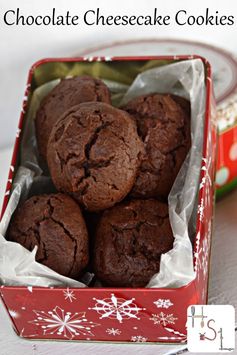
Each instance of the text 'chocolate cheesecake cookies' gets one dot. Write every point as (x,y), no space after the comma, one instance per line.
(68,93)
(94,154)
(129,241)
(55,225)
(163,122)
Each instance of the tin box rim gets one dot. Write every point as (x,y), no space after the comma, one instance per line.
(208,82)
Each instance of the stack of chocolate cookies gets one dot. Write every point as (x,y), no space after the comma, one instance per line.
(116,164)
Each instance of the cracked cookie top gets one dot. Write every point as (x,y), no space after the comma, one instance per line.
(164,125)
(68,93)
(130,239)
(55,225)
(94,154)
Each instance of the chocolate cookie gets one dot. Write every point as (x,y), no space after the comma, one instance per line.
(55,225)
(129,241)
(68,93)
(94,154)
(164,125)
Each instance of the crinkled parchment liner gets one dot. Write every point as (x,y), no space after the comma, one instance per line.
(185,78)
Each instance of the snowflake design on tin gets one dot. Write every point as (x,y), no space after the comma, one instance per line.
(206,180)
(18,132)
(116,308)
(163,303)
(197,252)
(204,266)
(64,323)
(197,266)
(69,295)
(139,339)
(208,237)
(205,250)
(14,314)
(163,318)
(28,335)
(201,210)
(113,331)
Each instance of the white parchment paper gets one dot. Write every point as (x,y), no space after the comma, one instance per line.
(186,78)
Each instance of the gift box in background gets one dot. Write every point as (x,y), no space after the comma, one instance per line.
(117,314)
(224,67)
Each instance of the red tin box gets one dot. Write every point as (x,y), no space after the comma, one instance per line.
(120,314)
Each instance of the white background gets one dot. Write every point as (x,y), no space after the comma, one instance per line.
(21,46)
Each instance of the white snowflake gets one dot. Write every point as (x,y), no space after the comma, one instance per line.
(197,254)
(202,253)
(138,339)
(63,323)
(208,237)
(14,314)
(204,266)
(201,210)
(163,303)
(206,167)
(117,308)
(28,335)
(18,132)
(197,266)
(163,318)
(175,332)
(206,180)
(112,331)
(205,250)
(69,295)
